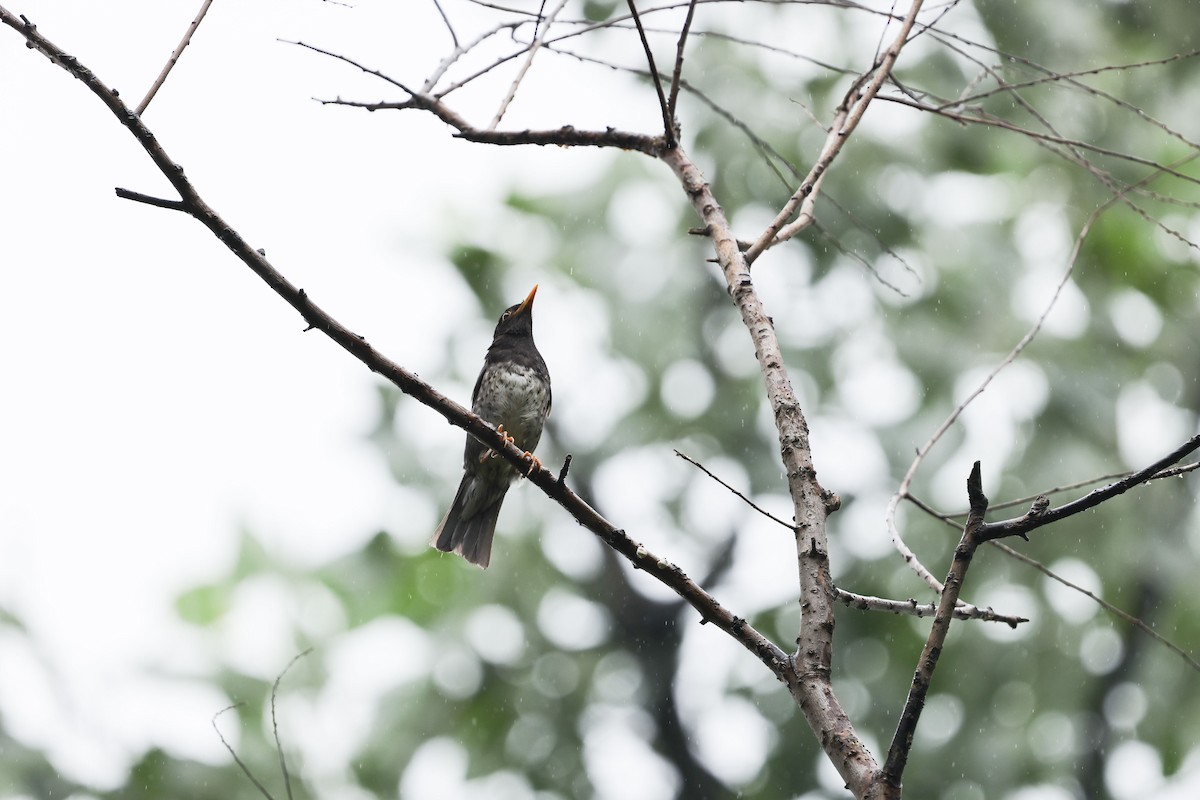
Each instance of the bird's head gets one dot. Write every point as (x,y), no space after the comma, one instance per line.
(517,320)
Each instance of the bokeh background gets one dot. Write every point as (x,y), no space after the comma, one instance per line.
(193,491)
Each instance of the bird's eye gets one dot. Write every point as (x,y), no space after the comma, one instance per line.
(505,316)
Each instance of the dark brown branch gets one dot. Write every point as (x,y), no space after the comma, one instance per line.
(150,200)
(669,574)
(668,122)
(893,768)
(1023,525)
(566,136)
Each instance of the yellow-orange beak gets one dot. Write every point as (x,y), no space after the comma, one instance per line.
(527,303)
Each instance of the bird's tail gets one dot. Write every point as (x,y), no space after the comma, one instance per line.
(470,523)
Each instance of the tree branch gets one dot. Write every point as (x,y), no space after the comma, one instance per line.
(893,768)
(809,679)
(539,36)
(162,77)
(1032,521)
(668,122)
(912,608)
(848,117)
(677,73)
(566,136)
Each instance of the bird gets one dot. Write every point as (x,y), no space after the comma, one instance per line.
(512,393)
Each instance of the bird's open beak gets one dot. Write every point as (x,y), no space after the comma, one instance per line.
(527,303)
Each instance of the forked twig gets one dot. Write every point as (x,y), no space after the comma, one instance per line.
(236,759)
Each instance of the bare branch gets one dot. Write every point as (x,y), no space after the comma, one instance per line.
(808,678)
(897,758)
(162,76)
(566,136)
(241,764)
(912,608)
(536,45)
(848,117)
(668,122)
(743,497)
(677,73)
(1109,607)
(1029,522)
(450,28)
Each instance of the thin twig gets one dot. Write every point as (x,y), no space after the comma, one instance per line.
(241,764)
(897,758)
(851,113)
(162,76)
(678,71)
(905,487)
(743,497)
(912,608)
(151,200)
(453,36)
(287,781)
(1109,607)
(533,50)
(668,123)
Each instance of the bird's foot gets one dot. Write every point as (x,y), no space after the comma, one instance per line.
(500,430)
(489,453)
(534,463)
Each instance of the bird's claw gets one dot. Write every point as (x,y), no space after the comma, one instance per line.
(534,463)
(489,453)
